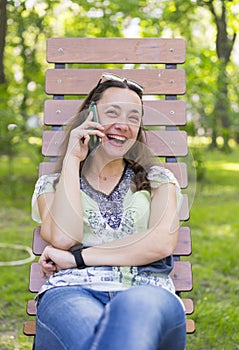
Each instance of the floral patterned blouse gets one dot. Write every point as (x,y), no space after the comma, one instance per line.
(110,217)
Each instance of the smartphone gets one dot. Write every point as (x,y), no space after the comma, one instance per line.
(94,139)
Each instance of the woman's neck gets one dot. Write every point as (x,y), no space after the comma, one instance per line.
(104,170)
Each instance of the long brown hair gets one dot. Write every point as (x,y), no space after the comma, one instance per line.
(138,157)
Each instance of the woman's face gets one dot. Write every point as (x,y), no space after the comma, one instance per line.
(120,112)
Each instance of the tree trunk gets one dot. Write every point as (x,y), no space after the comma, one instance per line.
(222,107)
(224,46)
(3,29)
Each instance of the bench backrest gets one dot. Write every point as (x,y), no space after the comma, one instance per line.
(151,62)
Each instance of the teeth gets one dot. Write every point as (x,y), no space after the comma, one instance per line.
(116,137)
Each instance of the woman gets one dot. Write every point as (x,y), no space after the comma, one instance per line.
(111,219)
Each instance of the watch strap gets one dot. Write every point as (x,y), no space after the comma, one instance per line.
(76,251)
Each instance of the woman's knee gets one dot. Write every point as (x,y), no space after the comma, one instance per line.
(149,300)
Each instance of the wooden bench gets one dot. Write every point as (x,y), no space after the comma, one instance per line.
(153,63)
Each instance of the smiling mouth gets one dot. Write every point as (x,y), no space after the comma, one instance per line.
(118,139)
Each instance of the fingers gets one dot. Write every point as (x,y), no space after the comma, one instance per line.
(89,123)
(79,141)
(53,260)
(83,135)
(46,264)
(47,268)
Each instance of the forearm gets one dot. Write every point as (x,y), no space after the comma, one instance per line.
(138,249)
(63,227)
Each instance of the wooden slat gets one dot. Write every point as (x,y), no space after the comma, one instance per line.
(51,141)
(178,169)
(190,326)
(181,275)
(38,243)
(162,143)
(165,113)
(31,307)
(46,168)
(188,304)
(180,172)
(183,246)
(81,81)
(157,112)
(30,327)
(36,281)
(115,50)
(184,210)
(167,143)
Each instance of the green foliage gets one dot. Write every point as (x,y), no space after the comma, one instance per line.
(30,23)
(199,163)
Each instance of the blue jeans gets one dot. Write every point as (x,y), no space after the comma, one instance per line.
(139,318)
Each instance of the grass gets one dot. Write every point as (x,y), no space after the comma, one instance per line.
(215,233)
(16,227)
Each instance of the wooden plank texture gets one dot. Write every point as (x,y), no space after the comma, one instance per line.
(81,81)
(167,143)
(115,50)
(182,276)
(156,112)
(161,142)
(184,246)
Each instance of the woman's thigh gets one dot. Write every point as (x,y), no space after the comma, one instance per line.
(66,318)
(149,317)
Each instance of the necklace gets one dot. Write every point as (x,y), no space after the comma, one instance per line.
(105,178)
(98,175)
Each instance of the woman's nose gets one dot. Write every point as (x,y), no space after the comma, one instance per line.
(121,126)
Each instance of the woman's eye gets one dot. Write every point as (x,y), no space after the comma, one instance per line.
(134,119)
(112,113)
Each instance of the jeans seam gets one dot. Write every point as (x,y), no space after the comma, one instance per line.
(102,327)
(52,332)
(172,330)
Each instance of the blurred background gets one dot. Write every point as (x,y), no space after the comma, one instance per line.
(210,29)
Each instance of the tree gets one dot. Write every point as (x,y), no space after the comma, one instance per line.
(3,26)
(225,40)
(210,28)
(213,99)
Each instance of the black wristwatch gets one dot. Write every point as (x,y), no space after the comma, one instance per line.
(76,251)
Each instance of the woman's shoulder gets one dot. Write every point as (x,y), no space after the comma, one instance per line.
(158,175)
(45,182)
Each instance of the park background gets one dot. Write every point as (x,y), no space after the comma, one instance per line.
(210,29)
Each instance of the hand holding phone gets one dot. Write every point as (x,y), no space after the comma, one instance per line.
(94,139)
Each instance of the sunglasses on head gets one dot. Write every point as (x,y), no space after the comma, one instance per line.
(114,77)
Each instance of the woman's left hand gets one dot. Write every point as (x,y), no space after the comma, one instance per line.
(53,260)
